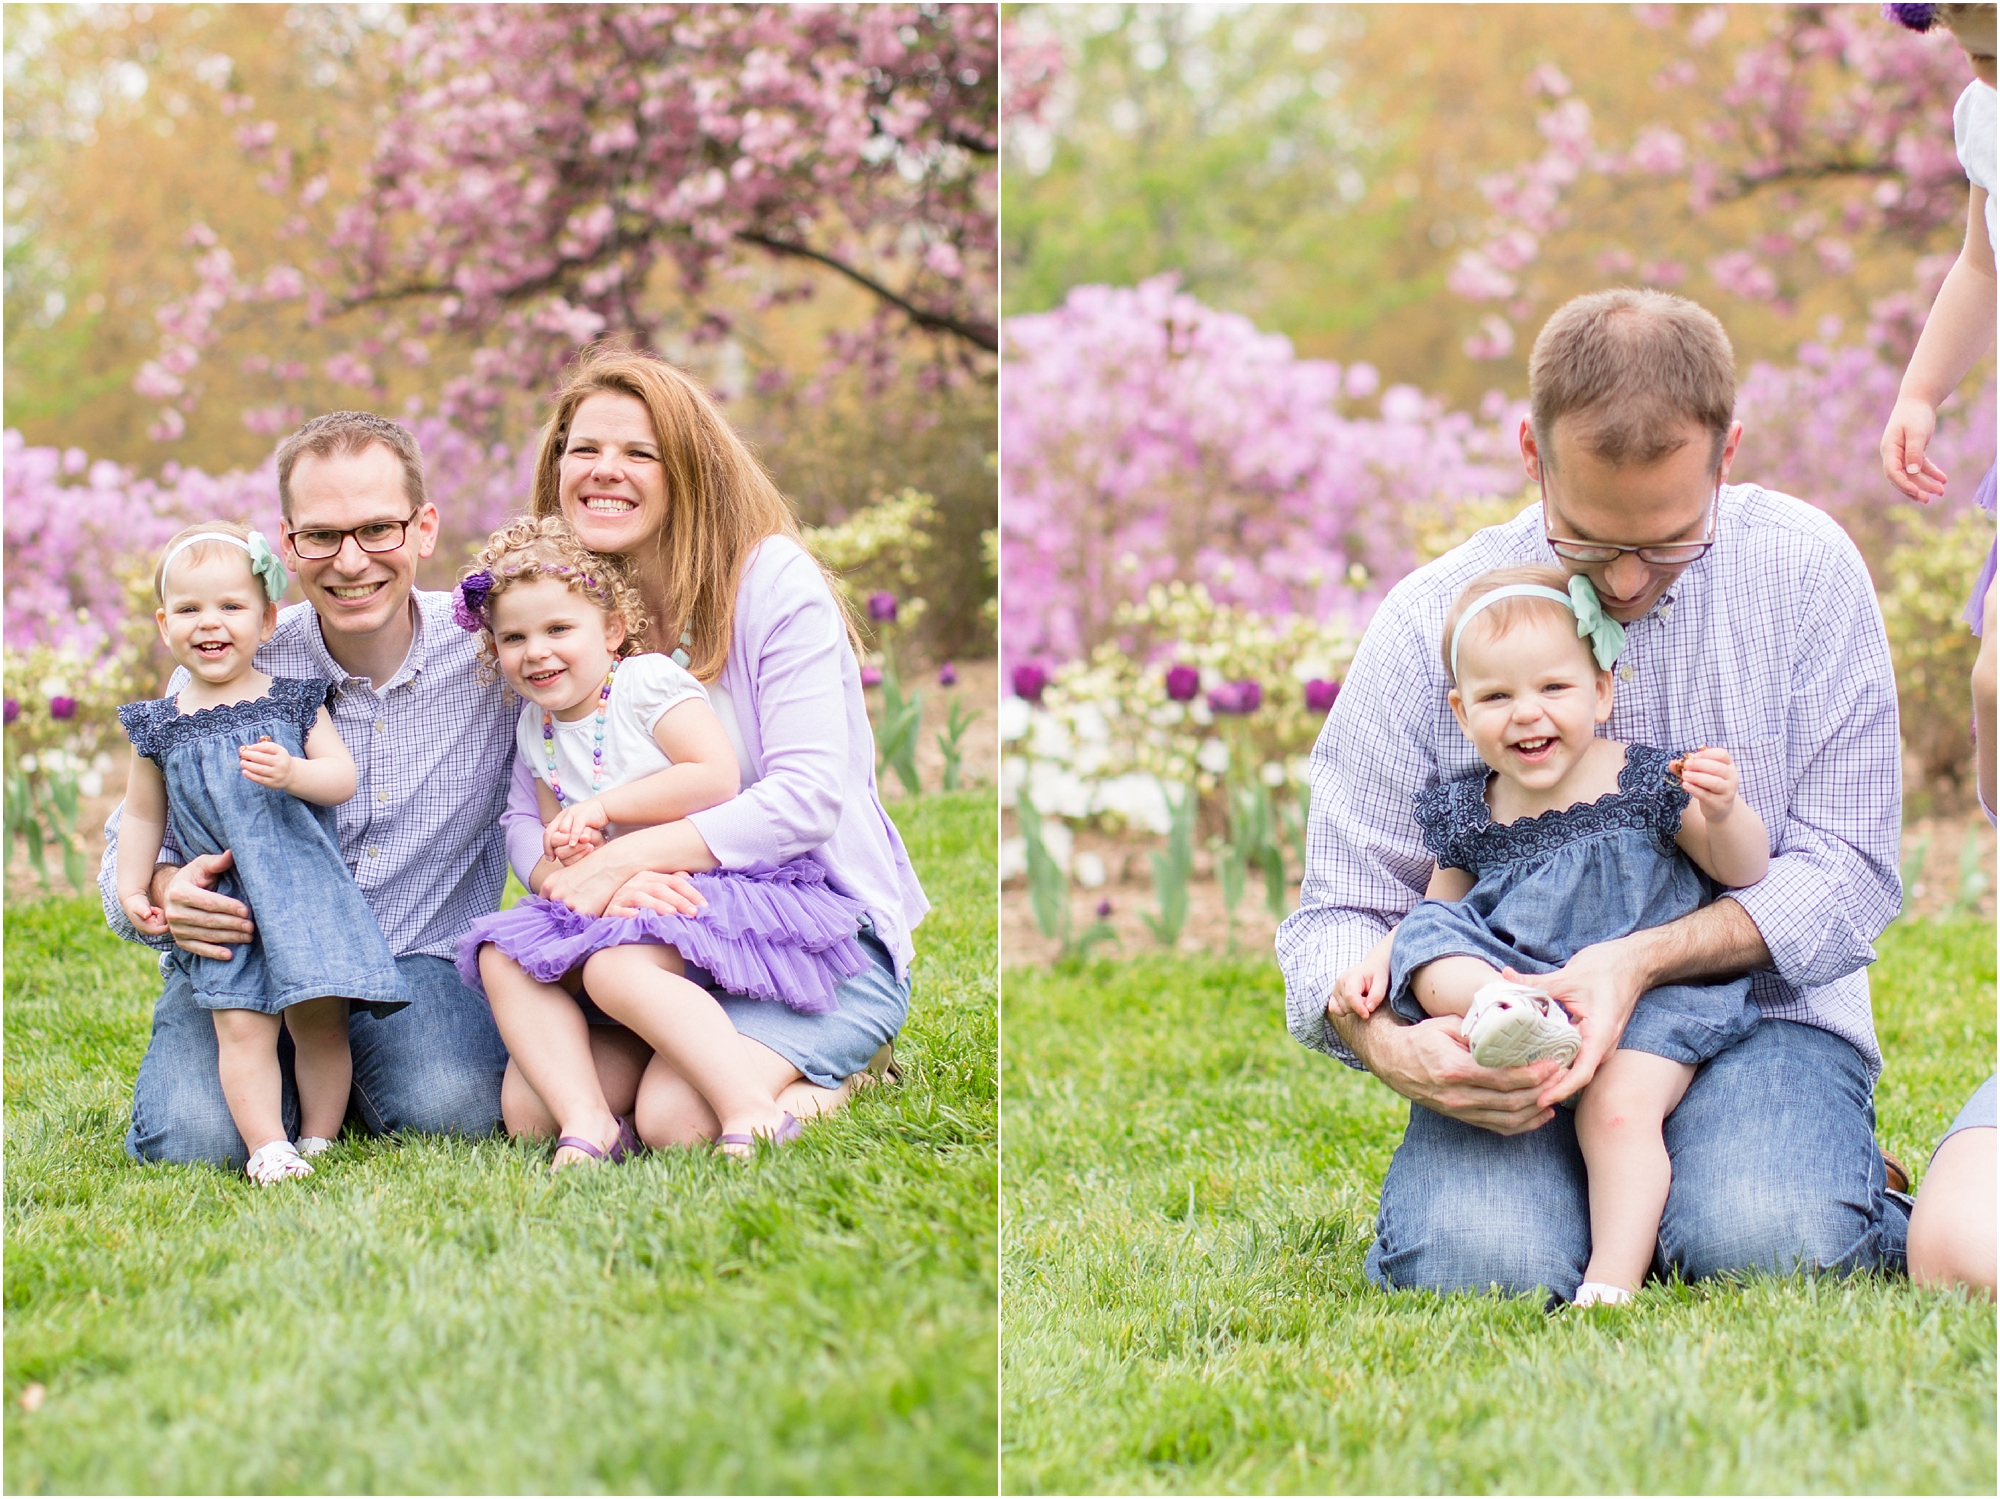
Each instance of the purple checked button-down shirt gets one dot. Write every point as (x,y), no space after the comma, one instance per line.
(1770,647)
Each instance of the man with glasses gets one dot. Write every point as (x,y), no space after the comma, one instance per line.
(1750,624)
(433,746)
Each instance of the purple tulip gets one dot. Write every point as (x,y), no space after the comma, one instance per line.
(1320,695)
(882,607)
(1030,681)
(1183,682)
(1916,17)
(13,710)
(871,676)
(947,675)
(1103,910)
(1236,697)
(62,707)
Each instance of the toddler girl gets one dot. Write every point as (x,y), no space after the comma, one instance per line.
(240,761)
(1569,841)
(618,740)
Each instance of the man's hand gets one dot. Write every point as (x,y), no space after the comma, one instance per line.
(203,922)
(669,894)
(268,763)
(1431,1064)
(1599,987)
(1911,424)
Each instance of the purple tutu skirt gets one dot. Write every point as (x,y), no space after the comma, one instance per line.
(783,934)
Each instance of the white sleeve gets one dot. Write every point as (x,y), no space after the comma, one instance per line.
(650,684)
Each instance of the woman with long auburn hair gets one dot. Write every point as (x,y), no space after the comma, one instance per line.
(641,463)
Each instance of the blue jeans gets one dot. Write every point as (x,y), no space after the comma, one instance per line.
(433,1068)
(1775,1169)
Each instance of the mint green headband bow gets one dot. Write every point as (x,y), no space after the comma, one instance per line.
(264,563)
(1605,634)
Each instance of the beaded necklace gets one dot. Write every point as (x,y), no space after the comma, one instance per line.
(597,749)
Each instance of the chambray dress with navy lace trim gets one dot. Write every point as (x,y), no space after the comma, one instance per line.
(1546,887)
(316,936)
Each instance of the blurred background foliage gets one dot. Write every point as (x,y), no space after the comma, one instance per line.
(121,133)
(1317,169)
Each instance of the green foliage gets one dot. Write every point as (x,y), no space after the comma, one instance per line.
(1189,1197)
(1922,596)
(1048,890)
(41,808)
(899,731)
(948,743)
(1173,866)
(437,1315)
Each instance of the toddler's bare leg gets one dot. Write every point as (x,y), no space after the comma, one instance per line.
(671,1112)
(619,1056)
(1618,1120)
(549,1041)
(642,986)
(322,1064)
(1445,986)
(246,1056)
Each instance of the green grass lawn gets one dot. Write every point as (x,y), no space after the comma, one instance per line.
(443,1316)
(1188,1195)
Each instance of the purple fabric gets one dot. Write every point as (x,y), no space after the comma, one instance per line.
(809,784)
(1975,611)
(779,934)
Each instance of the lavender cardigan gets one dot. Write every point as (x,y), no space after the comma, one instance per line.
(809,780)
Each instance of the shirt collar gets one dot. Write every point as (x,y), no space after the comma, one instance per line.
(413,663)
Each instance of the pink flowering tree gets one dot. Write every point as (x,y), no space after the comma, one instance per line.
(550,174)
(1147,438)
(1825,138)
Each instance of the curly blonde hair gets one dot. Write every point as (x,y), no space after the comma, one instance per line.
(544,546)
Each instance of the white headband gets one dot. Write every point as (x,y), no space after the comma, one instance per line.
(264,564)
(1606,635)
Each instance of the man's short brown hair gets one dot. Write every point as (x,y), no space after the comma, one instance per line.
(1634,367)
(340,433)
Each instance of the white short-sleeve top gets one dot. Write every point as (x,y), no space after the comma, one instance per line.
(642,690)
(1973,129)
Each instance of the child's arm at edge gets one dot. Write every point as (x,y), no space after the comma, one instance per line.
(1720,831)
(140,832)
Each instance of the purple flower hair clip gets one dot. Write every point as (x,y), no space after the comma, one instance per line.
(1916,17)
(468,611)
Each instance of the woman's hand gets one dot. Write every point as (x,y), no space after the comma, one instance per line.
(1911,424)
(589,885)
(669,894)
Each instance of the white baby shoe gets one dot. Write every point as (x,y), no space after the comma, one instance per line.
(1511,1025)
(278,1161)
(312,1145)
(1597,1293)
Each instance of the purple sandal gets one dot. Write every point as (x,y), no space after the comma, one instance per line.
(627,1143)
(788,1130)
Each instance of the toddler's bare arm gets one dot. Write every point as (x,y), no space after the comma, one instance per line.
(140,833)
(325,774)
(1720,831)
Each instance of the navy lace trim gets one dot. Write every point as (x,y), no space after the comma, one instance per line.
(1459,830)
(157,725)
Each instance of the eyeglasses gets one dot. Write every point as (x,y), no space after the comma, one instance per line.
(1673,554)
(376,536)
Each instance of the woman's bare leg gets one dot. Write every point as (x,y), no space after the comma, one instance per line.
(1618,1121)
(246,1056)
(549,1042)
(671,1111)
(619,1056)
(1952,1227)
(322,1064)
(641,986)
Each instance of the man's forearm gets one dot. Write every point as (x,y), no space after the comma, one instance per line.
(1718,941)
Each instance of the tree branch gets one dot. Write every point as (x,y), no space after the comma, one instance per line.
(979,335)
